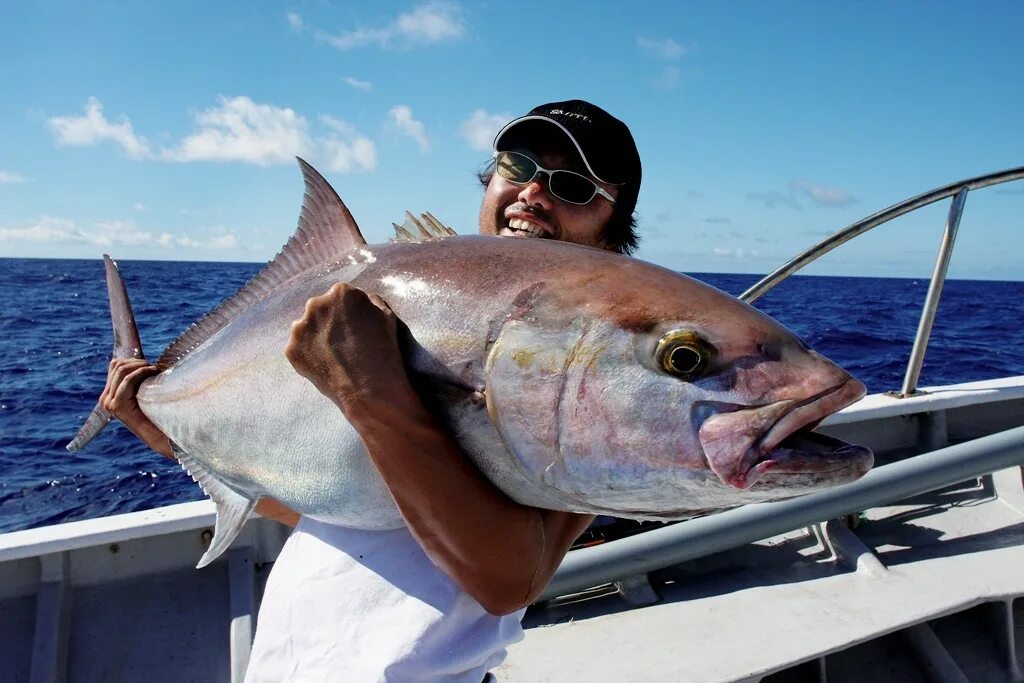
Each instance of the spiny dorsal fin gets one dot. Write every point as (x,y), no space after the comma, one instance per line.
(326,231)
(421,229)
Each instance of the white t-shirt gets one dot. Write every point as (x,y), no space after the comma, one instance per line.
(350,605)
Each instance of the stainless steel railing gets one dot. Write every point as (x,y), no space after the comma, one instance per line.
(956,190)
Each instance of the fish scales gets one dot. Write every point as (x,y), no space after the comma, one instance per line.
(574,378)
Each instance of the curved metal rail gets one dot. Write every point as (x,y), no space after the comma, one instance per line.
(956,190)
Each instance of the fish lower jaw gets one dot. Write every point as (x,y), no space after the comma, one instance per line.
(808,452)
(802,452)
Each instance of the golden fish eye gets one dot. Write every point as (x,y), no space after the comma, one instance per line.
(683,354)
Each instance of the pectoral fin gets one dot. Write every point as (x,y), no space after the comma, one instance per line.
(233,508)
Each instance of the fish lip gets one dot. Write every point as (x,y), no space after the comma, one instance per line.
(813,409)
(782,420)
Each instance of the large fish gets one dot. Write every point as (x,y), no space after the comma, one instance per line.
(574,378)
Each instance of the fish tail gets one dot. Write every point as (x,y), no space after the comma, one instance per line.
(126,345)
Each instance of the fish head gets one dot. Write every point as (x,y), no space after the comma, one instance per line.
(631,390)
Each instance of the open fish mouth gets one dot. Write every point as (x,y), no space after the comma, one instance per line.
(744,445)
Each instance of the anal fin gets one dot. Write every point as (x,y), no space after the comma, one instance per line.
(233,508)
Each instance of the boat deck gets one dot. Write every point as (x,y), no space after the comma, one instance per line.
(924,589)
(815,605)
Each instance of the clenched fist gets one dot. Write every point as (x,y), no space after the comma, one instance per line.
(346,344)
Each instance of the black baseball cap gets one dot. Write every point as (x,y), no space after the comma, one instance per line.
(604,143)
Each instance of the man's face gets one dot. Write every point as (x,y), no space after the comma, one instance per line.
(511,210)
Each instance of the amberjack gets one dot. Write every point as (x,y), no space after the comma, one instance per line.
(574,378)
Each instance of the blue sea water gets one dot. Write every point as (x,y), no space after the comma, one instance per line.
(56,339)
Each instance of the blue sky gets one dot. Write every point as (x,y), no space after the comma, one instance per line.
(169,130)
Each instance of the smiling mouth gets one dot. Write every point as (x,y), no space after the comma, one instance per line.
(517,227)
(744,445)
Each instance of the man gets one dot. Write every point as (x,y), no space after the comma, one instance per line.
(439,600)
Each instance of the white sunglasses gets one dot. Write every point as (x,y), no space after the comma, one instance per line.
(568,186)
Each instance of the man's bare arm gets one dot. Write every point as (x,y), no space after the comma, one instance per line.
(119,399)
(500,552)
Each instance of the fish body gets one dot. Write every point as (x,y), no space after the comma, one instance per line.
(575,379)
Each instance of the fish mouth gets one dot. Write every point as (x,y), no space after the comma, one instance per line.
(744,445)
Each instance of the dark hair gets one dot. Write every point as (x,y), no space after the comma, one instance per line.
(619,232)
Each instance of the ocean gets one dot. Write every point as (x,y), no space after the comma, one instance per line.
(56,342)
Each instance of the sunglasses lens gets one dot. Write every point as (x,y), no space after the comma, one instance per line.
(572,187)
(515,167)
(566,185)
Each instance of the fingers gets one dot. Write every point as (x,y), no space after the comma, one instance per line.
(130,386)
(341,301)
(340,313)
(379,303)
(123,378)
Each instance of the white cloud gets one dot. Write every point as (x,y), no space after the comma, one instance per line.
(243,130)
(822,195)
(93,128)
(668,79)
(47,229)
(402,119)
(345,150)
(225,240)
(113,233)
(666,48)
(358,84)
(295,22)
(428,24)
(480,128)
(8,177)
(737,252)
(772,200)
(813,192)
(139,206)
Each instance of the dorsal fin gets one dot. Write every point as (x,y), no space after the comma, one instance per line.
(326,231)
(426,227)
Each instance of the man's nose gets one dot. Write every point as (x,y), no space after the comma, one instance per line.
(535,193)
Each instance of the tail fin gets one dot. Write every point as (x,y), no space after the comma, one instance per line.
(126,345)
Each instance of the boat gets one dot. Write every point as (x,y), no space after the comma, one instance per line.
(913,573)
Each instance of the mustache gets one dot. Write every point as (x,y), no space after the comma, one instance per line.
(522,207)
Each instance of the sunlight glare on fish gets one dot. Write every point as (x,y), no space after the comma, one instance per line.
(402,287)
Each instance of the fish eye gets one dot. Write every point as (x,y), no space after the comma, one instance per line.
(683,354)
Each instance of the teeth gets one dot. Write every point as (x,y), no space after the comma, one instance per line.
(520,225)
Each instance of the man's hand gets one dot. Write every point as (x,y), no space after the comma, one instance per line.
(119,398)
(346,344)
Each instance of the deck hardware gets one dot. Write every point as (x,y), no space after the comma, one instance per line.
(206,538)
(114,548)
(637,590)
(848,548)
(931,301)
